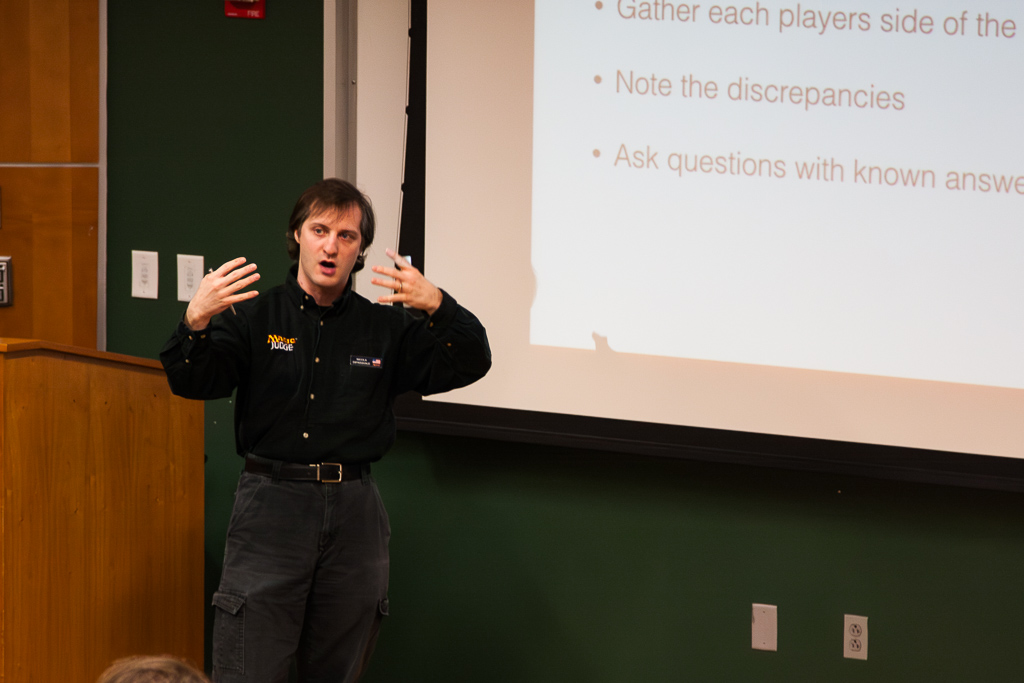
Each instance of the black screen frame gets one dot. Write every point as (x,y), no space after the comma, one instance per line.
(643,438)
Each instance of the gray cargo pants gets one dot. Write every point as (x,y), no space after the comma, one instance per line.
(305,575)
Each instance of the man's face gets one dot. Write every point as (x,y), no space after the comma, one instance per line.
(329,244)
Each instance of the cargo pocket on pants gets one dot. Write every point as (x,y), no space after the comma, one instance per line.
(382,611)
(229,632)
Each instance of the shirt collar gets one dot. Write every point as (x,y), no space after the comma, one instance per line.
(300,297)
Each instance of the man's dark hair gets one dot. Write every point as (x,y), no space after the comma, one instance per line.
(332,194)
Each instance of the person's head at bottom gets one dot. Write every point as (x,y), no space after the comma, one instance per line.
(152,669)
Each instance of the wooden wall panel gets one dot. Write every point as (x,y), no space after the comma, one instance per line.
(84,87)
(49,81)
(15,81)
(50,231)
(103,503)
(84,245)
(50,266)
(16,241)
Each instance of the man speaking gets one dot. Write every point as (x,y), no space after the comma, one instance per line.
(316,368)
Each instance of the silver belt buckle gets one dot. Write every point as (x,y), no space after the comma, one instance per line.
(328,481)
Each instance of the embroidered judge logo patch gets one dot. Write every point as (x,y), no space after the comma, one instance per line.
(279,343)
(365,361)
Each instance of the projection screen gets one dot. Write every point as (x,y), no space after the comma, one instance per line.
(780,218)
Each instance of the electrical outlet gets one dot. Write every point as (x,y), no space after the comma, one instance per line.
(145,274)
(190,274)
(764,631)
(855,637)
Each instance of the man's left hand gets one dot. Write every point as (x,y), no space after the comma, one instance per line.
(408,284)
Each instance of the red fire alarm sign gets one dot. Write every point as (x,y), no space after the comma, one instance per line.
(245,9)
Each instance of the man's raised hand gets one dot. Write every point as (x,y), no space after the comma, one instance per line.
(408,284)
(220,290)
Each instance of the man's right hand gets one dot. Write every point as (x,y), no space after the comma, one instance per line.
(219,290)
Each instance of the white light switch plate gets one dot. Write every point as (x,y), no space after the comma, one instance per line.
(764,627)
(190,274)
(145,274)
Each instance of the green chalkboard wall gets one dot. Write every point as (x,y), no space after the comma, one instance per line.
(534,564)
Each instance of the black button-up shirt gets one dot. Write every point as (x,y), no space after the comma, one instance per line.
(316,384)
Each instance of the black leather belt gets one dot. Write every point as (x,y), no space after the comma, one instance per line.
(327,472)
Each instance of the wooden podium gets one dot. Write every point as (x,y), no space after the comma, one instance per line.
(101,514)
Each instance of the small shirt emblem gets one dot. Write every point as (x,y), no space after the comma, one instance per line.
(279,343)
(364,361)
